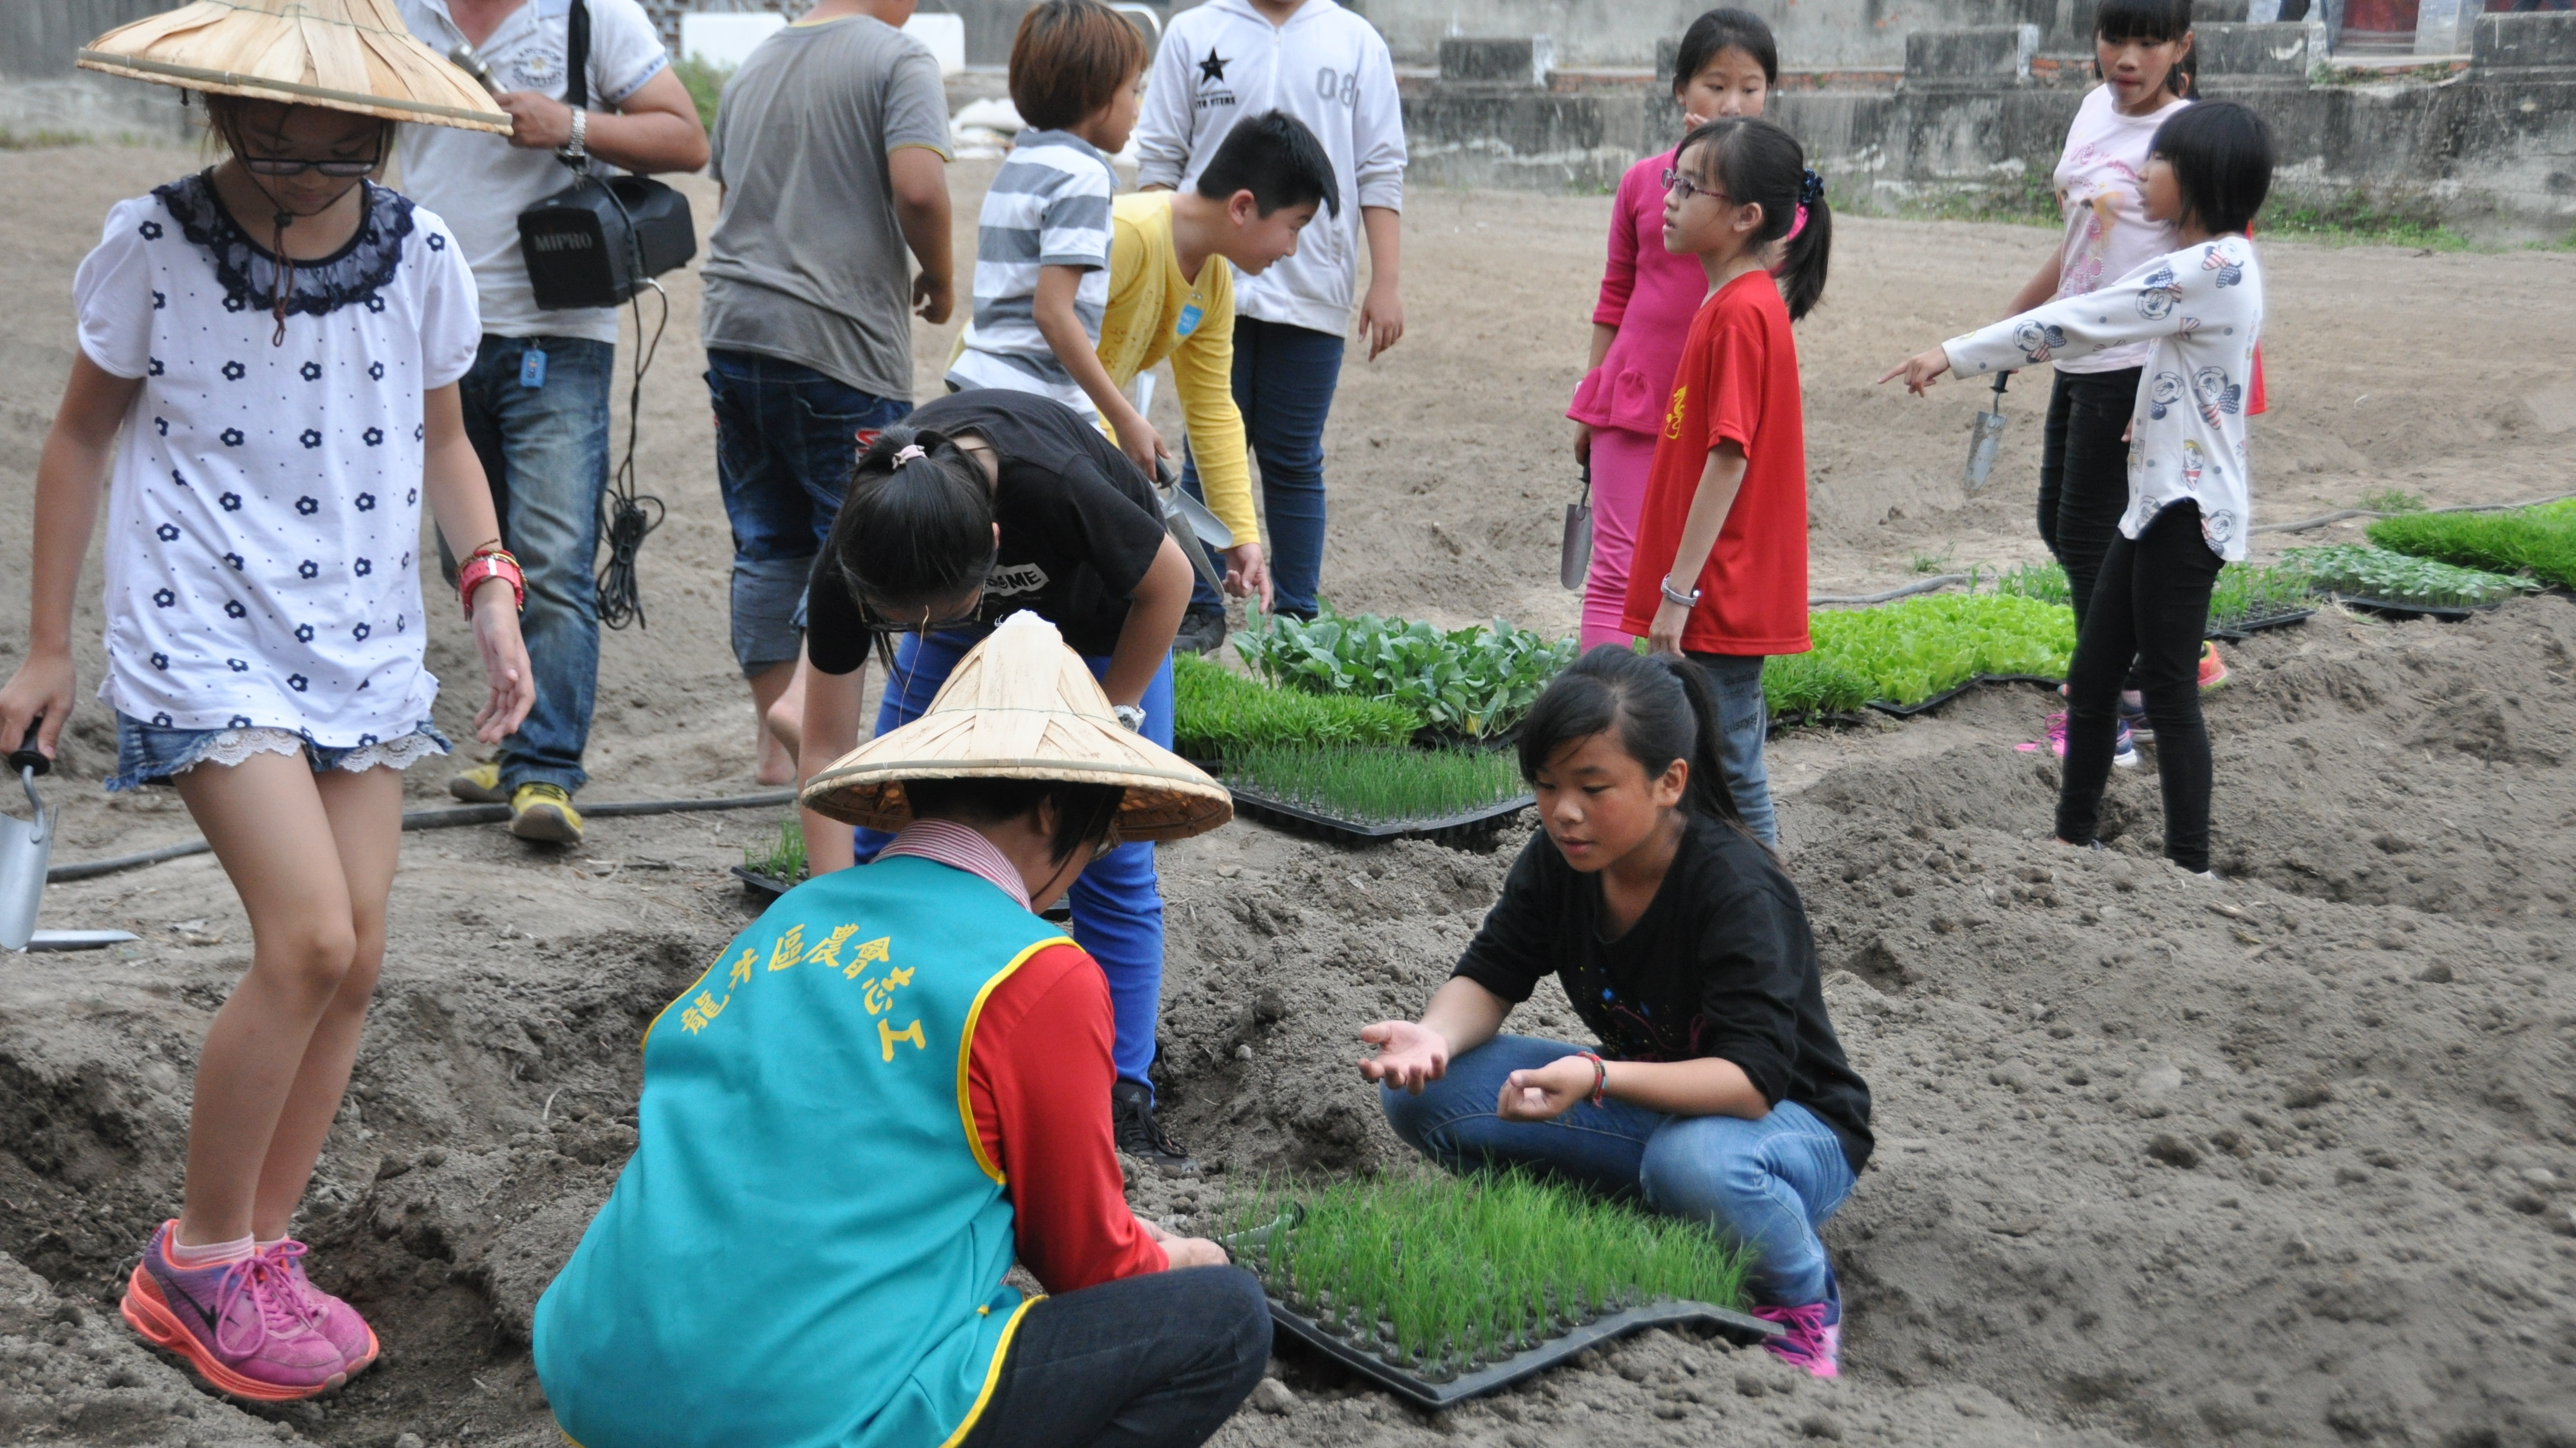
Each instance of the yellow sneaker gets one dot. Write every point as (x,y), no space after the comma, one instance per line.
(479,785)
(545,812)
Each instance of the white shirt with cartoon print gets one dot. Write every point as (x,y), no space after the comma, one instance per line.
(2201,309)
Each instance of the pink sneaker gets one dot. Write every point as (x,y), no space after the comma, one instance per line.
(241,1325)
(336,1320)
(1814,1339)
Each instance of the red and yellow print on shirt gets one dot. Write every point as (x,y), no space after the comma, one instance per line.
(1673,415)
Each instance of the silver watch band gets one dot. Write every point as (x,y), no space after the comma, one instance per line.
(1686,600)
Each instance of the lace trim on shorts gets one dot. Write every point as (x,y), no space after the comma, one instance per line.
(400,753)
(232,746)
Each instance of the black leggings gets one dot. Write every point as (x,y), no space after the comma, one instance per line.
(1157,1361)
(2151,605)
(2084,474)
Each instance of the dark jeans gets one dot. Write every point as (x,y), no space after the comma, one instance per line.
(1744,723)
(545,453)
(1284,378)
(2084,474)
(2151,606)
(1158,1361)
(786,439)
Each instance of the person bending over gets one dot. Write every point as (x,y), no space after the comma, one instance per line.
(1719,1092)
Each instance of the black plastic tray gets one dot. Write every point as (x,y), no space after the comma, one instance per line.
(2402,609)
(1736,1326)
(1908,711)
(1446,830)
(2245,627)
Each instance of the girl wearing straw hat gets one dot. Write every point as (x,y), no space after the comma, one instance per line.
(893,1082)
(277,340)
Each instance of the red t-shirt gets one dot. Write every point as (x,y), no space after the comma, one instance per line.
(1738,381)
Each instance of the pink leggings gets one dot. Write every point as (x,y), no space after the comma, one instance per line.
(1620,461)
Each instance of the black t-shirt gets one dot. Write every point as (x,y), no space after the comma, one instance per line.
(1721,964)
(1080,527)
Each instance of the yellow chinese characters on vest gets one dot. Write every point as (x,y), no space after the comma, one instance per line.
(870,965)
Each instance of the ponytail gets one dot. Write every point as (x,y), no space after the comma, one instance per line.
(1756,162)
(1659,705)
(915,527)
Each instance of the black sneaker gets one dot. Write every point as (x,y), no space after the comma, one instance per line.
(1131,1115)
(1202,631)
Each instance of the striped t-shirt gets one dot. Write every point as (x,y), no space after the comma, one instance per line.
(1048,206)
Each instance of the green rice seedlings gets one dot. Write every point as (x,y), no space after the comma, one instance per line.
(2380,574)
(784,860)
(1809,685)
(1217,713)
(2249,593)
(2539,541)
(1379,785)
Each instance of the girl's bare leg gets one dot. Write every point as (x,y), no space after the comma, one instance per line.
(266,821)
(366,826)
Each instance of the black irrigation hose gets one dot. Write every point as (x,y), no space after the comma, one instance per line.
(433,819)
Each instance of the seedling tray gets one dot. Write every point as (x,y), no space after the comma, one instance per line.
(1908,711)
(1737,1327)
(2401,609)
(1449,829)
(2244,627)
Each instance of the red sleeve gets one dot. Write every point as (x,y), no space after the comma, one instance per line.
(1037,1079)
(1738,367)
(1619,278)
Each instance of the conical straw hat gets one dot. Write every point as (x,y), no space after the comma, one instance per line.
(347,55)
(1021,705)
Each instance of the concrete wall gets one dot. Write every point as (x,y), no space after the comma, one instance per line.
(40,91)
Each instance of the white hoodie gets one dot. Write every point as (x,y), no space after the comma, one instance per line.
(1328,68)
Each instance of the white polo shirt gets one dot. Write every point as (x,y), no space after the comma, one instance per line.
(479,183)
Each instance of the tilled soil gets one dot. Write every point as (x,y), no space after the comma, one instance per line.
(2287,1160)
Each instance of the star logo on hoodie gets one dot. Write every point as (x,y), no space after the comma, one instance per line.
(1212,68)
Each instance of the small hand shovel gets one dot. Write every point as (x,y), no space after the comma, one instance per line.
(1574,557)
(25,848)
(1985,434)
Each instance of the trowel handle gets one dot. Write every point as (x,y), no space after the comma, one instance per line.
(27,756)
(2000,379)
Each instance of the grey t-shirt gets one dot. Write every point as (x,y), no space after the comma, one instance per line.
(806,262)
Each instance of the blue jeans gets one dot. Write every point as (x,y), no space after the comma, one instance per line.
(1118,902)
(545,452)
(152,753)
(1284,378)
(1768,1184)
(786,439)
(1743,722)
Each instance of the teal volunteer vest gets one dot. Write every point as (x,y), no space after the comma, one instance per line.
(807,1247)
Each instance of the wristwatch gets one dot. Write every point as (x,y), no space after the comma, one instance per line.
(1671,595)
(576,152)
(1131,716)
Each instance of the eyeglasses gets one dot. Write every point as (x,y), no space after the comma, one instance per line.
(289,166)
(1106,843)
(1676,181)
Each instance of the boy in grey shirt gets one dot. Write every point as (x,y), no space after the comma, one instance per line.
(831,144)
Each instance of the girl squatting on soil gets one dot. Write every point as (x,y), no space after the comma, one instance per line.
(1720,1093)
(1649,296)
(278,341)
(1726,503)
(2199,311)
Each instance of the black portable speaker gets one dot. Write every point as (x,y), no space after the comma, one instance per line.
(598,241)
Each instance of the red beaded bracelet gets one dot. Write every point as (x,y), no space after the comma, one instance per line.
(1600,1076)
(488,563)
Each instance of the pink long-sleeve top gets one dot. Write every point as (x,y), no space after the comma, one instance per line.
(1650,295)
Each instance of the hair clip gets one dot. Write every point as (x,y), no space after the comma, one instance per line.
(1811,188)
(908,452)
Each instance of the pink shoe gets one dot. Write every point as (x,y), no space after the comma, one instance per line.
(241,1325)
(337,1321)
(1814,1339)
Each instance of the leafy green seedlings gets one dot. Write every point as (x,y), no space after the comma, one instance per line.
(1377,784)
(1908,651)
(1469,682)
(1217,713)
(2043,581)
(2249,593)
(1810,685)
(784,860)
(2540,541)
(2377,573)
(1440,1276)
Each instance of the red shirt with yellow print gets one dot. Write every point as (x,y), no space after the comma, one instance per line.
(1738,382)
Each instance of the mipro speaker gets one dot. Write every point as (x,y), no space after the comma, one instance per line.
(598,241)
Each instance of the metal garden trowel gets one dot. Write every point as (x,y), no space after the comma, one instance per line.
(1574,555)
(25,848)
(1985,435)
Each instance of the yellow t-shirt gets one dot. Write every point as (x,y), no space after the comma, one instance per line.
(1155,312)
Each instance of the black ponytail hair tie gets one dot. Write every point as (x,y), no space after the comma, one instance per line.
(1811,188)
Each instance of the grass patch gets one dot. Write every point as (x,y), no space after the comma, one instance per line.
(2349,568)
(706,82)
(785,859)
(2539,541)
(2026,199)
(41,140)
(1217,714)
(1905,652)
(2392,500)
(1469,682)
(1379,784)
(2363,216)
(1442,1276)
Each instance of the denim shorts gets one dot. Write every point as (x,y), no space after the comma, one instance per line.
(150,754)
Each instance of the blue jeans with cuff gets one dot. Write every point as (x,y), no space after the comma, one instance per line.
(541,430)
(1769,1184)
(1159,1360)
(787,438)
(1118,902)
(1743,722)
(1284,378)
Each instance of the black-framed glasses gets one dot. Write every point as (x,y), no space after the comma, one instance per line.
(296,166)
(1674,180)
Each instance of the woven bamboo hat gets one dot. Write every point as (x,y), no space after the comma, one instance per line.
(1021,705)
(346,55)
